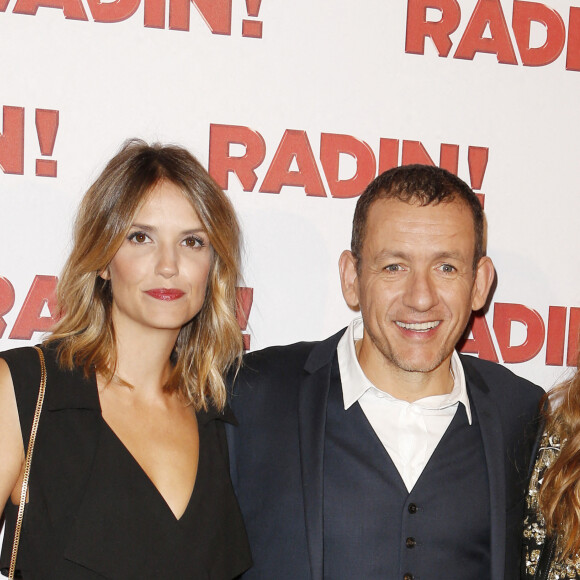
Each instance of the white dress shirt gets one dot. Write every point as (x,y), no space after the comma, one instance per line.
(409,432)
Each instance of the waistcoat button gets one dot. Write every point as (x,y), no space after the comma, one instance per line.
(408,576)
(410,542)
(412,508)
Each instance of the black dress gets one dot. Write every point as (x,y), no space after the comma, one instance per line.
(93,513)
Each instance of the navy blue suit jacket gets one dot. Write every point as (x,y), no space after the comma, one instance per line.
(276,455)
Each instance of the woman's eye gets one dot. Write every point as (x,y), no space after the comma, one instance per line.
(138,237)
(193,242)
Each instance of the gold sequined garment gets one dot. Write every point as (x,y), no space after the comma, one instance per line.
(534,525)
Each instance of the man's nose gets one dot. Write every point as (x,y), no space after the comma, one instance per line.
(420,292)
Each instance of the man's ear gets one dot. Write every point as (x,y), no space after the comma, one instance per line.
(484,277)
(349,279)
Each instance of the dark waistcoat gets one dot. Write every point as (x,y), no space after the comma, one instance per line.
(374,528)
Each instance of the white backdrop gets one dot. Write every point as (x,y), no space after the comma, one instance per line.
(299,88)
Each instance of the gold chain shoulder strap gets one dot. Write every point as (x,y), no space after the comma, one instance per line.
(28,462)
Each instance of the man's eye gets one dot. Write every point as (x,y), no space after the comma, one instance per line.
(393,268)
(138,237)
(447,268)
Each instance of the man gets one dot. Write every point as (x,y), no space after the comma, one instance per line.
(380,452)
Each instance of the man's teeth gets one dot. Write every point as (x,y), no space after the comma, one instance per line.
(418,325)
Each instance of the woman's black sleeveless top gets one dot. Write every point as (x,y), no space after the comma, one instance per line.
(93,513)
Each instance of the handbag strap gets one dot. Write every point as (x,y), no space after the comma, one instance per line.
(24,490)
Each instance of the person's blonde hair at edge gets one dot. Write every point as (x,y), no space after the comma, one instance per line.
(209,344)
(559,496)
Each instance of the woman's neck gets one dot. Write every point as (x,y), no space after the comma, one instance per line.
(143,359)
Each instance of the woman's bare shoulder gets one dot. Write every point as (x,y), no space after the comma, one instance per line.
(7,395)
(11,446)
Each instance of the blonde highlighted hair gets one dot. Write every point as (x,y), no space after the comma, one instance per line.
(559,497)
(208,345)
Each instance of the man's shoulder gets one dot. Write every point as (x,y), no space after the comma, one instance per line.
(270,378)
(280,360)
(271,357)
(498,378)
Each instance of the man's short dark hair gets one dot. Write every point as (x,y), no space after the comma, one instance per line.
(422,184)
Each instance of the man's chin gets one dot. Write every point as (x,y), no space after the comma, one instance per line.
(412,365)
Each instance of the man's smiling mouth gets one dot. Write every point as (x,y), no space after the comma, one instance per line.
(418,326)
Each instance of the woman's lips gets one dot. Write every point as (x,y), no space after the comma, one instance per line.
(165,294)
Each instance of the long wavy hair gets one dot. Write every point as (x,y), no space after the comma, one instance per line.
(208,345)
(559,497)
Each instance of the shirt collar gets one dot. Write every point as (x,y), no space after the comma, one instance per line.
(355,383)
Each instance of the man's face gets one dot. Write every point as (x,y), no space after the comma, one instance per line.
(415,284)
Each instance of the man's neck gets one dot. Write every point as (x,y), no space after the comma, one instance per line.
(406,385)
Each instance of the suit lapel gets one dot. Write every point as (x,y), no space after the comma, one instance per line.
(312,400)
(493,444)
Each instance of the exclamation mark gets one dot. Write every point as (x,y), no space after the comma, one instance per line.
(46,127)
(252,28)
(244,300)
(477,159)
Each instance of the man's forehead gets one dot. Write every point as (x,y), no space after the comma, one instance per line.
(391,220)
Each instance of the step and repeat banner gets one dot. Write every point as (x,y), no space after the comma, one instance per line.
(294,107)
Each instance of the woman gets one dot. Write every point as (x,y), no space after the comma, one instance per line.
(552,522)
(129,475)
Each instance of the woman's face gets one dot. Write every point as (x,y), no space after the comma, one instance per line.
(159,274)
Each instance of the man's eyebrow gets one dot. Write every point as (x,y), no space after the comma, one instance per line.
(390,254)
(452,255)
(396,255)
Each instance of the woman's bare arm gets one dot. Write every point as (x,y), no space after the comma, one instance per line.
(11,446)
